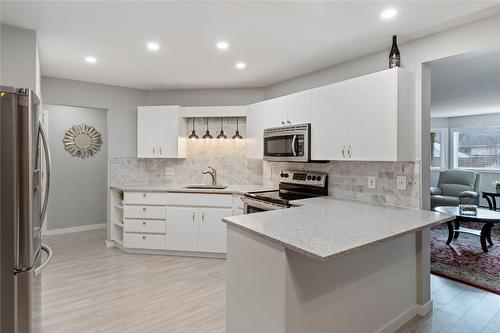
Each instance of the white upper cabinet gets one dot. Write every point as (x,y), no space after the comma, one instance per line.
(381,117)
(161,132)
(329,122)
(298,108)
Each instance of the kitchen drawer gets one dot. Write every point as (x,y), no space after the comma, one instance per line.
(146,198)
(200,200)
(144,241)
(145,226)
(145,212)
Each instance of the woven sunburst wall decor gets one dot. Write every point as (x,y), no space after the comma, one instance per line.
(82,141)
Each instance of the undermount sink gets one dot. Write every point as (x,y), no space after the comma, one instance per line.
(206,187)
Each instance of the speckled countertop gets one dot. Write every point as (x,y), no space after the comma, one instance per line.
(325,228)
(231,189)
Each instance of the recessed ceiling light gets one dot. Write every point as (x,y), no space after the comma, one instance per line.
(222,45)
(388,13)
(90,60)
(241,65)
(153,46)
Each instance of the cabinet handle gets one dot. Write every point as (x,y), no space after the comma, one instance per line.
(343,151)
(282,123)
(160,150)
(154,151)
(143,209)
(203,216)
(143,237)
(144,195)
(143,223)
(193,216)
(288,122)
(349,152)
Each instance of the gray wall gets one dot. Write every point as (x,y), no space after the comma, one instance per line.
(206,97)
(120,102)
(493,119)
(19,63)
(78,190)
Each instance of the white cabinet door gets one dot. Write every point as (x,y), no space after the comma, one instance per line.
(212,231)
(299,108)
(372,117)
(182,229)
(329,122)
(171,132)
(147,132)
(275,114)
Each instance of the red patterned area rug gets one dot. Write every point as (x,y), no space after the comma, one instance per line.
(464,260)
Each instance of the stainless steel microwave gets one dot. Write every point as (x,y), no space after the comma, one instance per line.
(288,143)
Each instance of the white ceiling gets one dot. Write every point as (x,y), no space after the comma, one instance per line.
(467,86)
(277,40)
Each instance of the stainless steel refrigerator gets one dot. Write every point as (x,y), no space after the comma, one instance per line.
(23,150)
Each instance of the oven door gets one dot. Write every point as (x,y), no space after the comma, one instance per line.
(251,206)
(287,144)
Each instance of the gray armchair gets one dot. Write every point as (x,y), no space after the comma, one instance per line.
(456,187)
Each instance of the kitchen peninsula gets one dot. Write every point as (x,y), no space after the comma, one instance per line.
(325,265)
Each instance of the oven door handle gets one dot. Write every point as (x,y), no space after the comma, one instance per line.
(260,205)
(293,145)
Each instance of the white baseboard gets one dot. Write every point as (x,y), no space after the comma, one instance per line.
(74,229)
(399,321)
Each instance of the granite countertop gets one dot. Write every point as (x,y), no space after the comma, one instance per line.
(325,228)
(231,189)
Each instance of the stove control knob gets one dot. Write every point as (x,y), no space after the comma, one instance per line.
(318,178)
(282,175)
(309,177)
(286,175)
(314,178)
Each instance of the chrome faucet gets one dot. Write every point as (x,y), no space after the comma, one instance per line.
(212,172)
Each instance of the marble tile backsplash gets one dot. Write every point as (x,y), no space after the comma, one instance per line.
(349,180)
(227,156)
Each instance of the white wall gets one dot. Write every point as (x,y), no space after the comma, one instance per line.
(206,97)
(19,63)
(78,190)
(120,102)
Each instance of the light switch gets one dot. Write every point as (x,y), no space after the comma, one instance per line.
(401,183)
(372,182)
(169,171)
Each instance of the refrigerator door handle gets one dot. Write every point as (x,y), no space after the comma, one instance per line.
(43,135)
(47,250)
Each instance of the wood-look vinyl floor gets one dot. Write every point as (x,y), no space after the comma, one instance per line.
(90,288)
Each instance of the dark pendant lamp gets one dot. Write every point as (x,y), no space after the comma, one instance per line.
(237,134)
(193,133)
(207,133)
(221,134)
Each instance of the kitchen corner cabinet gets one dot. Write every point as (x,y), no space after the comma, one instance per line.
(160,132)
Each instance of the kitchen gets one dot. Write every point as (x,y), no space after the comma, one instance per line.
(186,159)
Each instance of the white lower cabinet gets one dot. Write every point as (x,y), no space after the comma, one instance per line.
(196,229)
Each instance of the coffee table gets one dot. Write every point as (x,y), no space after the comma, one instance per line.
(486,216)
(491,197)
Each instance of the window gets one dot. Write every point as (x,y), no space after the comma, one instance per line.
(438,148)
(476,148)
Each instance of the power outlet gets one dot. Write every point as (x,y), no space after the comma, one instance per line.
(169,171)
(372,182)
(401,183)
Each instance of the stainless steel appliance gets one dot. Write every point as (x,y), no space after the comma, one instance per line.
(294,185)
(23,207)
(288,143)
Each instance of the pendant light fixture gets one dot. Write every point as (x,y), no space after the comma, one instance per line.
(237,135)
(193,133)
(221,134)
(207,133)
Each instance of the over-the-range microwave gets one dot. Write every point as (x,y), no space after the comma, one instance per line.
(288,143)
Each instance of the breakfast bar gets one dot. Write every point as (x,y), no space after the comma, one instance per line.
(326,264)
